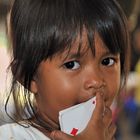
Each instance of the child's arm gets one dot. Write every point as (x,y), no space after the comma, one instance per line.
(99,128)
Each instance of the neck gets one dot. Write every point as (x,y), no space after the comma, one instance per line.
(44,124)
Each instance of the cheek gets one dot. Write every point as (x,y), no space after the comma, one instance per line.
(113,86)
(56,94)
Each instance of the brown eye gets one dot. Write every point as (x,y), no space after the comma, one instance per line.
(72,65)
(108,61)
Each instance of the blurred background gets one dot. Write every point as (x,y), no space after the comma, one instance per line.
(126,107)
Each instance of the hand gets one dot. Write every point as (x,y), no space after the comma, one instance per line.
(100,127)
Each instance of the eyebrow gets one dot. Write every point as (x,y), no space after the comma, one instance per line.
(112,53)
(108,53)
(72,55)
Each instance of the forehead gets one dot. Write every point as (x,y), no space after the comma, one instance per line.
(82,45)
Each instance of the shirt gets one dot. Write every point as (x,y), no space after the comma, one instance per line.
(14,131)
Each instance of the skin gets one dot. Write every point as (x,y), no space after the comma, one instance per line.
(61,83)
(99,127)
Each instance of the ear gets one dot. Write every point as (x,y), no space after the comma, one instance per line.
(33,87)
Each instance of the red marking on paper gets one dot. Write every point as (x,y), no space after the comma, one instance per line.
(74,131)
(94,102)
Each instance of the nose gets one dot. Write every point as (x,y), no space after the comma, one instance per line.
(94,79)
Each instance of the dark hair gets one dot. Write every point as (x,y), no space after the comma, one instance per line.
(42,28)
(128,6)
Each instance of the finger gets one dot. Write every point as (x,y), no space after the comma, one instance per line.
(107,119)
(97,114)
(59,135)
(112,130)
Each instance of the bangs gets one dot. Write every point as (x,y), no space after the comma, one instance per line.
(57,31)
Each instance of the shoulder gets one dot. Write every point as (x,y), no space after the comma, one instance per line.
(18,132)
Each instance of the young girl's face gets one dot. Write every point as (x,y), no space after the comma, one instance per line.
(61,83)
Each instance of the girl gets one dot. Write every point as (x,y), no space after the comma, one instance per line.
(64,53)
